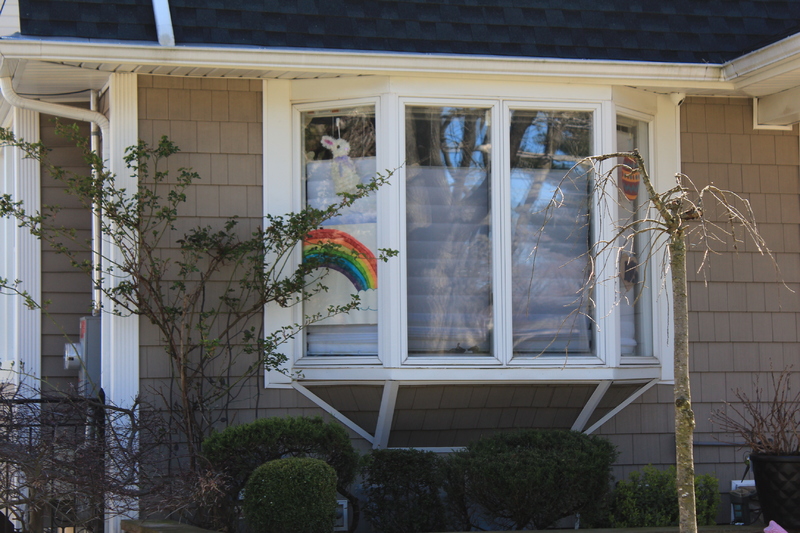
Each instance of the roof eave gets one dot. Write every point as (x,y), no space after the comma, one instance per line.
(770,69)
(365,63)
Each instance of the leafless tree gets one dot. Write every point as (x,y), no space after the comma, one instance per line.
(683,216)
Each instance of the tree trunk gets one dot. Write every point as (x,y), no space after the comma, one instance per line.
(684,416)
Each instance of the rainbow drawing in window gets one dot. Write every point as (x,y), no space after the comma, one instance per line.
(348,256)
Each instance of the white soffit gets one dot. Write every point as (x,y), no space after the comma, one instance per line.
(39,79)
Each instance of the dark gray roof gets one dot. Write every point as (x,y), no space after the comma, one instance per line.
(683,31)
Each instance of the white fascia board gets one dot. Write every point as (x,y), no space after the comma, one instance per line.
(372,63)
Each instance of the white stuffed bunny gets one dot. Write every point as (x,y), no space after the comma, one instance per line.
(343,171)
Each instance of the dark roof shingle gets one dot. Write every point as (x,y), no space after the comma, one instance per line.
(684,31)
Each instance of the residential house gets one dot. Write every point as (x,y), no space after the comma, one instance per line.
(481,107)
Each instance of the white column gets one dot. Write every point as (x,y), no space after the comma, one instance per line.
(666,162)
(279,185)
(120,334)
(7,240)
(27,256)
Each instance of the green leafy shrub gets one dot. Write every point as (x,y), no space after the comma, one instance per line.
(402,489)
(239,450)
(291,495)
(527,479)
(650,499)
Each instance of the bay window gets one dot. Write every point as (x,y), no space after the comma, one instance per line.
(492,272)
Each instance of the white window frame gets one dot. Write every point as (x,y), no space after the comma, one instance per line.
(390,97)
(653,274)
(298,203)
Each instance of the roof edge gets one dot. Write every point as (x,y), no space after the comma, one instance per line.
(764,58)
(358,62)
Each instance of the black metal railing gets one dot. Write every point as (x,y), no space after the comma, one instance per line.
(52,462)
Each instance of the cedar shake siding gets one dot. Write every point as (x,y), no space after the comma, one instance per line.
(217,124)
(743,322)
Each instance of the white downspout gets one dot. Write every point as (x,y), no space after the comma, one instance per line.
(59,110)
(97,218)
(164,29)
(97,119)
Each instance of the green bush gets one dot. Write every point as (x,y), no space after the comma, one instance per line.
(402,489)
(291,495)
(527,479)
(239,450)
(650,499)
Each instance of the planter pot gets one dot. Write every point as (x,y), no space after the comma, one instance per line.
(778,485)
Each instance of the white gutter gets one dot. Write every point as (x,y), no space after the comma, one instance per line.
(59,110)
(772,55)
(97,219)
(164,29)
(261,61)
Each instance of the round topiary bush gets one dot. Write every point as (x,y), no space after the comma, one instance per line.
(291,495)
(402,490)
(528,479)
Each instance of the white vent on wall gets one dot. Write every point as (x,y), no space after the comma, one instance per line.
(342,516)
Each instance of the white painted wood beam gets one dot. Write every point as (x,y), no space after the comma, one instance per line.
(383,428)
(335,413)
(620,407)
(591,405)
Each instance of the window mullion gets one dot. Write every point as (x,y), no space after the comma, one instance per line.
(391,234)
(604,213)
(501,231)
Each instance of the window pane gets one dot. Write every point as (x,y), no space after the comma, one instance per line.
(550,246)
(635,303)
(338,154)
(448,167)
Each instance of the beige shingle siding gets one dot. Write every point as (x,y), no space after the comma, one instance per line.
(69,291)
(196,115)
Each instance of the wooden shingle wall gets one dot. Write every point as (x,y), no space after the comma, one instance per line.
(69,291)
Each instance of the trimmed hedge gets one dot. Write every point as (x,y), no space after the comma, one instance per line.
(528,479)
(291,495)
(402,489)
(650,499)
(239,450)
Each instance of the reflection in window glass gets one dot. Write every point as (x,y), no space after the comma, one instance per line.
(635,304)
(448,168)
(338,154)
(549,255)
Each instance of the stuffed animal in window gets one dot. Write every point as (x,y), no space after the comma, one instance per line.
(343,171)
